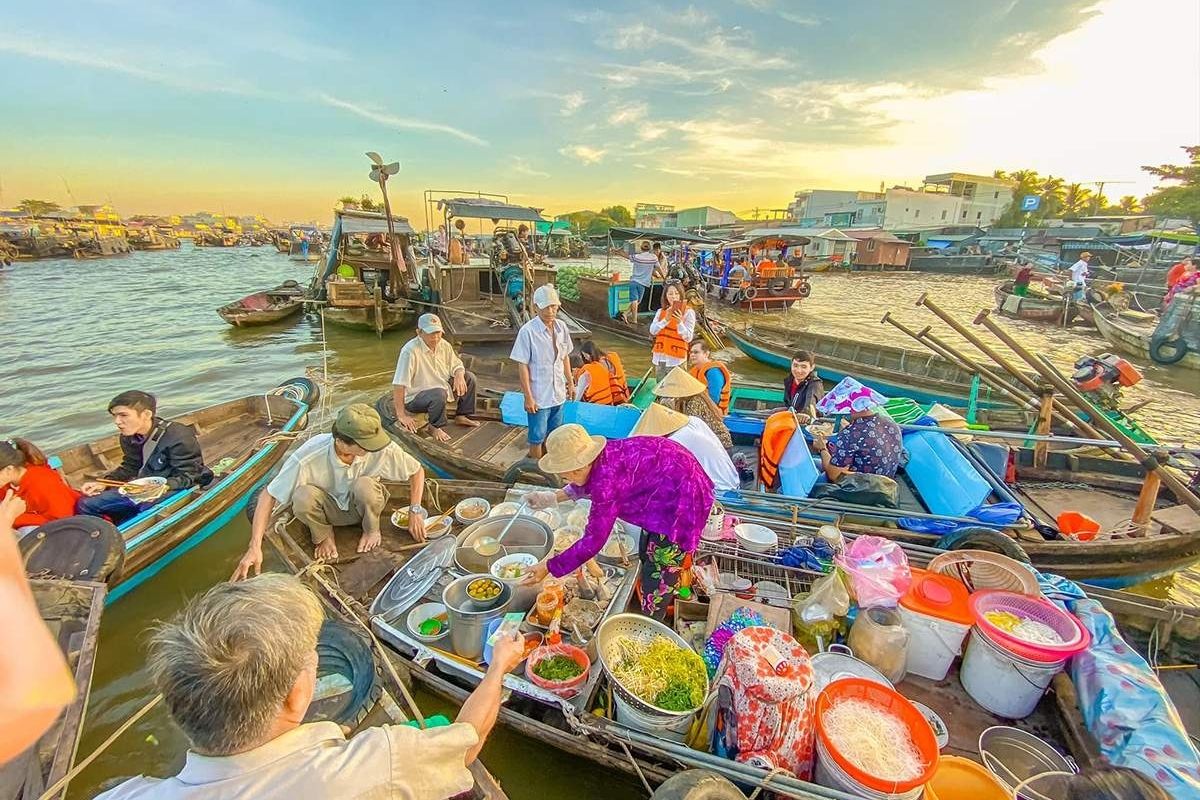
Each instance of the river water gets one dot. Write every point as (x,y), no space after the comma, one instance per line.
(80,332)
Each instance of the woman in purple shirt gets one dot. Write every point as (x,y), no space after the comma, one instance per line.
(648,481)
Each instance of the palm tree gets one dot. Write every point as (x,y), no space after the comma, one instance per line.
(37,208)
(1052,195)
(1076,200)
(1128,204)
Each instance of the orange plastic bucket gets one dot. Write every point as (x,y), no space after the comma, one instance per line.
(962,779)
(1077,526)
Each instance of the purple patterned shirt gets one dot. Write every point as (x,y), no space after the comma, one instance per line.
(648,481)
(868,444)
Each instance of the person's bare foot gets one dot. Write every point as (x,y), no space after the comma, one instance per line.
(369,541)
(326,550)
(439,435)
(466,421)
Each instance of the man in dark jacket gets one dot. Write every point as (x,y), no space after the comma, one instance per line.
(151,447)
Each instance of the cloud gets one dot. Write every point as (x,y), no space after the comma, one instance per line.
(522,166)
(571,103)
(806,20)
(694,16)
(584,153)
(627,114)
(590,17)
(651,131)
(769,7)
(403,123)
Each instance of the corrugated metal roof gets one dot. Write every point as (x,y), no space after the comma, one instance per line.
(658,235)
(482,208)
(811,233)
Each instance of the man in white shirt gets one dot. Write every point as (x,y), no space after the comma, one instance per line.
(238,670)
(542,352)
(695,435)
(336,479)
(645,265)
(427,372)
(1079,274)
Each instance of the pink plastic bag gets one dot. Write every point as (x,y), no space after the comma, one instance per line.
(876,569)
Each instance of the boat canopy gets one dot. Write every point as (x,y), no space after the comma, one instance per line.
(370,222)
(658,235)
(485,208)
(556,228)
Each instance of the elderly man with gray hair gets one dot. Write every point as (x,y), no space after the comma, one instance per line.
(238,669)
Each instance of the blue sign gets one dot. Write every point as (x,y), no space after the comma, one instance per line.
(1030,202)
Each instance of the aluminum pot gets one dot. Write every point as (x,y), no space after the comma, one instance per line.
(468,621)
(527,535)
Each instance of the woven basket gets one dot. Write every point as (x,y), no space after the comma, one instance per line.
(979,569)
(642,629)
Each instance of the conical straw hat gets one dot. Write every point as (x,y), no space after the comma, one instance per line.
(678,383)
(658,420)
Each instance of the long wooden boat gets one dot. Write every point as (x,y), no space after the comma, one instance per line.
(1134,338)
(1033,308)
(349,287)
(263,308)
(956,265)
(242,440)
(71,611)
(581,727)
(602,302)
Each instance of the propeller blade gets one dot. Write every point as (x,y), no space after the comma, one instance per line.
(375,175)
(392,168)
(378,159)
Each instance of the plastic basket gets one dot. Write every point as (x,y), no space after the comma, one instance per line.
(979,569)
(891,701)
(567,688)
(1075,637)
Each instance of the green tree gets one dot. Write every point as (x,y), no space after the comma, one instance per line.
(578,220)
(1129,205)
(347,202)
(1053,192)
(367,204)
(1027,182)
(1183,199)
(600,224)
(37,208)
(619,215)
(1076,200)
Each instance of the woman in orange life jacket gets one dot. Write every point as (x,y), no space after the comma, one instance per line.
(601,377)
(673,327)
(713,374)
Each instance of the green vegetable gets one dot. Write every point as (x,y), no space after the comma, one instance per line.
(676,697)
(558,668)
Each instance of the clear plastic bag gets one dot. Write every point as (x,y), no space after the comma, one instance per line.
(816,616)
(876,569)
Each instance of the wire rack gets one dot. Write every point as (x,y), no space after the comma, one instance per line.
(754,567)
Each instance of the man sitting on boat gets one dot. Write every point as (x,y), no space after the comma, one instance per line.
(151,447)
(872,443)
(336,479)
(542,351)
(428,372)
(698,438)
(802,387)
(238,670)
(644,480)
(713,374)
(601,378)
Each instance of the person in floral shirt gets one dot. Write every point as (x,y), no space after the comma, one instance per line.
(872,443)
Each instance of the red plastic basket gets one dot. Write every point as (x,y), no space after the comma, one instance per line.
(567,688)
(897,705)
(1075,637)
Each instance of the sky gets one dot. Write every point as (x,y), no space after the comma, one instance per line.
(262,106)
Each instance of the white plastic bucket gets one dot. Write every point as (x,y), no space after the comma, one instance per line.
(1002,682)
(830,775)
(933,645)
(673,727)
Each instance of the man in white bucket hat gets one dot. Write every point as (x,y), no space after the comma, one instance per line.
(542,352)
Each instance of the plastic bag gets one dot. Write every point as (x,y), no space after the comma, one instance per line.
(816,615)
(877,570)
(860,488)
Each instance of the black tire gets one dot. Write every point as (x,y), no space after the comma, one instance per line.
(750,292)
(697,784)
(343,650)
(1167,350)
(804,289)
(984,539)
(527,471)
(310,392)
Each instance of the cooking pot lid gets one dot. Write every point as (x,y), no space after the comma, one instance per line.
(414,578)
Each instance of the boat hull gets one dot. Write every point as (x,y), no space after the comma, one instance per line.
(367,318)
(246,318)
(1133,341)
(1033,309)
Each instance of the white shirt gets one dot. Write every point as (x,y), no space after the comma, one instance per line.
(687,329)
(315,463)
(535,348)
(1079,271)
(701,442)
(316,762)
(418,368)
(643,267)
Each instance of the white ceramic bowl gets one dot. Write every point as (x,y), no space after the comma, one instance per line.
(480,506)
(733,583)
(524,559)
(772,593)
(437,527)
(756,538)
(143,487)
(549,516)
(423,612)
(504,509)
(566,536)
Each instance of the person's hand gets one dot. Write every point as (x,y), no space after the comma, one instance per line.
(677,314)
(407,422)
(541,499)
(91,488)
(252,560)
(803,419)
(537,573)
(820,442)
(459,384)
(531,406)
(507,653)
(416,526)
(11,507)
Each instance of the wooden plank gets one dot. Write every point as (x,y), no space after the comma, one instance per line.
(1177,519)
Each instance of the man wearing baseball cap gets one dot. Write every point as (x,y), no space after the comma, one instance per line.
(427,373)
(336,479)
(542,352)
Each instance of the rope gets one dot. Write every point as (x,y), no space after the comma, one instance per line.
(767,779)
(81,765)
(636,767)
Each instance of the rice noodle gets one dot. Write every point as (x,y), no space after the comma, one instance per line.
(873,740)
(1035,632)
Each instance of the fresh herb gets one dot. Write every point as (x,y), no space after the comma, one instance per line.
(676,697)
(558,668)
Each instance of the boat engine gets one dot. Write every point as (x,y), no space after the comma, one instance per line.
(1102,377)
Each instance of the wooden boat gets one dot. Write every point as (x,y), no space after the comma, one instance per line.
(581,726)
(215,238)
(1135,339)
(71,610)
(350,287)
(298,237)
(1034,308)
(147,237)
(955,265)
(242,441)
(602,302)
(771,285)
(262,308)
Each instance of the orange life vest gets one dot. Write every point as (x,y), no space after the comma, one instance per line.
(777,432)
(668,342)
(599,388)
(616,375)
(699,374)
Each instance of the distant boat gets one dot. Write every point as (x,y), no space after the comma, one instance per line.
(262,308)
(1138,339)
(1034,308)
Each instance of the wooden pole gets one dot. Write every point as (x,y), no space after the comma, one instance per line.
(1045,415)
(983,346)
(1145,503)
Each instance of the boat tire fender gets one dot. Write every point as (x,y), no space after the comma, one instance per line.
(1167,350)
(527,471)
(306,390)
(697,784)
(344,651)
(804,289)
(985,539)
(750,292)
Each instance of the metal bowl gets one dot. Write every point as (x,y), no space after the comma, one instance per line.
(638,627)
(527,535)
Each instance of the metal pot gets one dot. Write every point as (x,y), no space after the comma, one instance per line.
(527,535)
(468,621)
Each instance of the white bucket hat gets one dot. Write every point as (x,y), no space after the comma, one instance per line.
(546,296)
